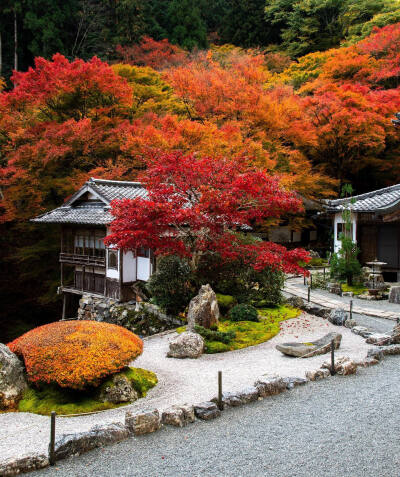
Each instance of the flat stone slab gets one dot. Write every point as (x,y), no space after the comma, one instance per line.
(313,348)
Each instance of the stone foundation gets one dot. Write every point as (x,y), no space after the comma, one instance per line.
(141,318)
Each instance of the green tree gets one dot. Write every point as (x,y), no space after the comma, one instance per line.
(344,264)
(244,24)
(186,26)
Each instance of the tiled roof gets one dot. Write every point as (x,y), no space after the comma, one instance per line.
(111,190)
(382,200)
(74,211)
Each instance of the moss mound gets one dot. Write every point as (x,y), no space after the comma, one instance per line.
(49,397)
(249,333)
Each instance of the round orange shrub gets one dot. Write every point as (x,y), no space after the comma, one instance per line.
(76,354)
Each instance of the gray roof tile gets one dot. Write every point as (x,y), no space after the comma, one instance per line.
(93,212)
(375,201)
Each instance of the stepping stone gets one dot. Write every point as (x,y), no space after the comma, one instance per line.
(320,346)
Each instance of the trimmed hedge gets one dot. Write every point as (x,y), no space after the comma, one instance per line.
(76,354)
(244,312)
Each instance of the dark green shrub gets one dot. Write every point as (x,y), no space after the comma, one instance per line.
(210,335)
(171,284)
(243,312)
(225,302)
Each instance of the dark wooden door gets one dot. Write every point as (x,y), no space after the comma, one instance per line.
(389,245)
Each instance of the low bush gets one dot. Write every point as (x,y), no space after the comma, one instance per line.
(76,354)
(210,335)
(171,285)
(243,312)
(225,302)
(50,397)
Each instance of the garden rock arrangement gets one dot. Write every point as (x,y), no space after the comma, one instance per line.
(140,423)
(337,317)
(306,350)
(12,378)
(394,295)
(142,318)
(186,345)
(74,444)
(203,309)
(118,391)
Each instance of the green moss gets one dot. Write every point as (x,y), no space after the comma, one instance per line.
(65,401)
(356,289)
(249,333)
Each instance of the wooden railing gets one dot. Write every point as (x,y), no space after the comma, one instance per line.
(77,259)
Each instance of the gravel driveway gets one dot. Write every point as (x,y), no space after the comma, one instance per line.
(339,427)
(183,381)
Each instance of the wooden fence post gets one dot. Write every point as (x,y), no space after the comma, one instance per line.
(52,459)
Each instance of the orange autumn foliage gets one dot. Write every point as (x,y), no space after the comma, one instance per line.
(76,354)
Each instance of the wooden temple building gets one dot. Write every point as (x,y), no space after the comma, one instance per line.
(375,227)
(87,266)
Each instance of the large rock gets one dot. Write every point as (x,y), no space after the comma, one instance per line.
(186,345)
(296,301)
(119,390)
(343,366)
(178,416)
(12,378)
(140,423)
(270,385)
(293,381)
(395,334)
(318,374)
(394,295)
(68,445)
(203,309)
(313,348)
(19,465)
(379,339)
(316,310)
(337,316)
(206,410)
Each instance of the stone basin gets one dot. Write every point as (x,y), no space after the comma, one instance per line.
(312,348)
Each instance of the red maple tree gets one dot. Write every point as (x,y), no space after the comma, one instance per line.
(196,204)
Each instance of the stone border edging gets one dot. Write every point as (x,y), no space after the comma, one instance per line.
(147,421)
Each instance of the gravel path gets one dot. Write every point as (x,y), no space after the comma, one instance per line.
(183,381)
(382,307)
(339,427)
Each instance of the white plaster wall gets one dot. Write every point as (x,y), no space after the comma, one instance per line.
(338,219)
(111,272)
(143,268)
(128,267)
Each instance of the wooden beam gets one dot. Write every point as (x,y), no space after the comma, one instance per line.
(64,306)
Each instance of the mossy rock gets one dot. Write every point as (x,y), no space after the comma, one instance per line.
(63,401)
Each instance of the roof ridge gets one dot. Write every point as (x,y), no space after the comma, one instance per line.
(112,181)
(366,194)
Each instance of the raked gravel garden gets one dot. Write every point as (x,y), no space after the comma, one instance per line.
(185,381)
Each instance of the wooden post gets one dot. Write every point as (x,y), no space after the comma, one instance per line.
(83,277)
(310,280)
(52,459)
(62,274)
(333,372)
(308,294)
(64,306)
(304,279)
(220,404)
(351,309)
(324,273)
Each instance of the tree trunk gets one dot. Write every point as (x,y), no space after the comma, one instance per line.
(15,41)
(1,55)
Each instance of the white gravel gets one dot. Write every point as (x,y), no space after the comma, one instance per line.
(186,380)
